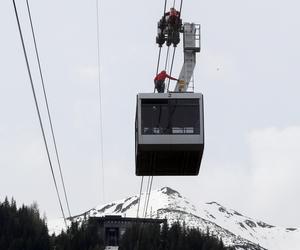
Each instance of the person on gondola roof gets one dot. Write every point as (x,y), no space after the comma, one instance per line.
(159,81)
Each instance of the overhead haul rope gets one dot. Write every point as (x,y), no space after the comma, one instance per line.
(157,67)
(38,110)
(174,47)
(48,109)
(165,7)
(150,187)
(147,194)
(150,179)
(180,8)
(139,203)
(174,50)
(140,229)
(158,60)
(145,202)
(159,52)
(167,58)
(100,100)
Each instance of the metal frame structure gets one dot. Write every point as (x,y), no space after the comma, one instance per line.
(191,46)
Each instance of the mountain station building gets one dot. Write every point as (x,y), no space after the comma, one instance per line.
(112,227)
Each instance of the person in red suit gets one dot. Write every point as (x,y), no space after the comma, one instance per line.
(169,28)
(174,24)
(159,81)
(173,17)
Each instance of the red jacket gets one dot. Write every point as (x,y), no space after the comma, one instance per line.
(162,76)
(172,13)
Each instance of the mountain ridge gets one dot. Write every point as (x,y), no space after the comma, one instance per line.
(234,228)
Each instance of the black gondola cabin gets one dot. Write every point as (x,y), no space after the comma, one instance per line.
(169,133)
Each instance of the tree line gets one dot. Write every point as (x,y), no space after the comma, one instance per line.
(24,229)
(174,237)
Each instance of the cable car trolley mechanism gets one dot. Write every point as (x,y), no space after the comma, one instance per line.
(169,127)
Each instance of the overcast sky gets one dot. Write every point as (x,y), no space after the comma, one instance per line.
(248,72)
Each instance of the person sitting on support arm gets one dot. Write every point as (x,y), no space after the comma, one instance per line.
(173,27)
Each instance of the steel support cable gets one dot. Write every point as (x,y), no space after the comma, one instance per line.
(100,100)
(47,107)
(174,3)
(146,195)
(141,188)
(174,47)
(158,60)
(167,58)
(157,67)
(171,67)
(180,8)
(165,7)
(150,177)
(159,53)
(38,111)
(148,192)
(140,229)
(151,180)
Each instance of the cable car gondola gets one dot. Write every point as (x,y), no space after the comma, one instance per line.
(169,133)
(169,127)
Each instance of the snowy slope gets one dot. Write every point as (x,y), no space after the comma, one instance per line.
(234,228)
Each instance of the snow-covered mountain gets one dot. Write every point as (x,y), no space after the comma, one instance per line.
(234,228)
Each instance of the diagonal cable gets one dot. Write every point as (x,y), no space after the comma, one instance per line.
(48,109)
(100,99)
(174,50)
(146,196)
(139,203)
(38,110)
(151,181)
(180,8)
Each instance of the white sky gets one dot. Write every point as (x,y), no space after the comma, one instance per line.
(247,71)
